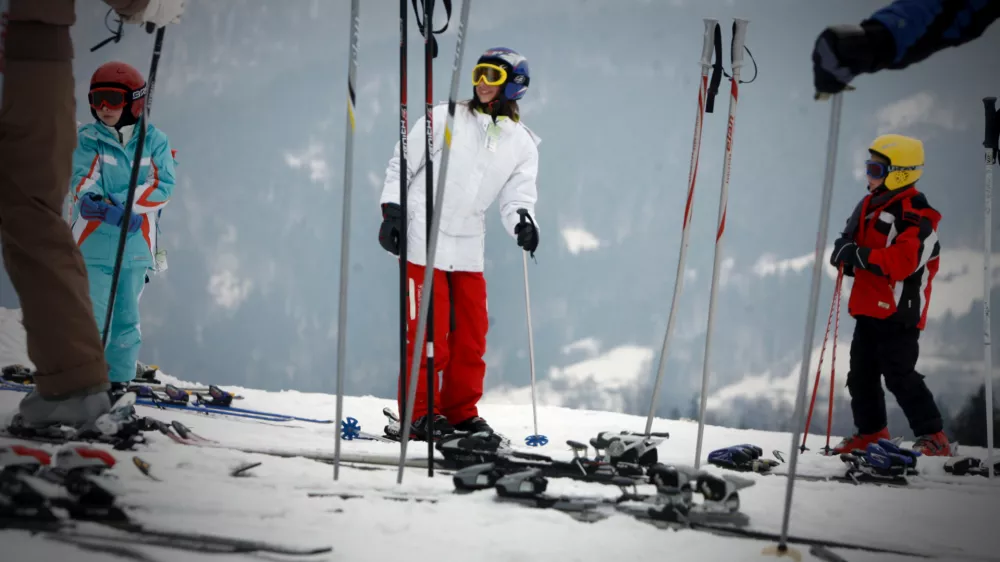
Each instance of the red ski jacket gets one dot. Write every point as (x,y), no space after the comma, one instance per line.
(900,227)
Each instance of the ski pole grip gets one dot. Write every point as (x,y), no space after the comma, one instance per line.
(992,132)
(739,38)
(706,47)
(525,217)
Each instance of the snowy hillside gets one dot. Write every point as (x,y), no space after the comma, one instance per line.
(272,502)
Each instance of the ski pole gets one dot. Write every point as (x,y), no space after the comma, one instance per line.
(833,358)
(819,370)
(706,101)
(424,314)
(345,232)
(429,54)
(133,181)
(810,327)
(404,173)
(535,439)
(990,143)
(739,37)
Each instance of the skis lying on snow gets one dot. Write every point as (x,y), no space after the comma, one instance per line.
(672,506)
(213,402)
(882,464)
(51,496)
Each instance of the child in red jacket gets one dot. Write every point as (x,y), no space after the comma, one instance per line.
(891,248)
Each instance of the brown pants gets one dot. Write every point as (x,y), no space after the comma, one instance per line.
(37,139)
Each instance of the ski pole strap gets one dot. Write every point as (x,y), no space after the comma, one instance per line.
(717,71)
(422,25)
(116,35)
(718,51)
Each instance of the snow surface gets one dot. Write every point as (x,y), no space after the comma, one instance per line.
(272,503)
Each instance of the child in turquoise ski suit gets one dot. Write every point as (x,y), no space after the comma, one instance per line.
(102,167)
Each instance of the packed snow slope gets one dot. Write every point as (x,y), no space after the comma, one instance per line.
(950,518)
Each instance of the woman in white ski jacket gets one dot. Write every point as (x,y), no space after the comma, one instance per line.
(494,157)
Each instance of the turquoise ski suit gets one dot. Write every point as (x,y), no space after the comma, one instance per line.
(102,164)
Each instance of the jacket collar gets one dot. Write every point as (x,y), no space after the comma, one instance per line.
(120,136)
(881,197)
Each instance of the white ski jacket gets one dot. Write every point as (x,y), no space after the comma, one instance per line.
(488,162)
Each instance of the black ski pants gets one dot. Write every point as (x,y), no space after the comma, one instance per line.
(885,348)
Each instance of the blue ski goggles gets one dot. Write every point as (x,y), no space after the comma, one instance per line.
(876,170)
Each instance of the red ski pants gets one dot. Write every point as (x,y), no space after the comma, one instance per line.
(460,326)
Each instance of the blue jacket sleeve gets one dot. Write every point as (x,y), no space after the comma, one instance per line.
(920,28)
(154,194)
(86,167)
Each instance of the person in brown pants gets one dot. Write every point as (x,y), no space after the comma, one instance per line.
(37,139)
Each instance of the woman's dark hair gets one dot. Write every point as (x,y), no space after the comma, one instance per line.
(496,108)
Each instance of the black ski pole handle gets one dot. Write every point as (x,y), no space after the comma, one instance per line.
(150,27)
(992,127)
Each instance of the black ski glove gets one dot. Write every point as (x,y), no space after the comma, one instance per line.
(527,234)
(848,253)
(391,229)
(842,52)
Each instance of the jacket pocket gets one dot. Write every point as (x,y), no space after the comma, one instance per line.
(872,295)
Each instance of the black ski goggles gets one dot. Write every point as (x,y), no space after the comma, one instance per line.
(112,98)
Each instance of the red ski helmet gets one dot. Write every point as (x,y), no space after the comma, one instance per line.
(118,85)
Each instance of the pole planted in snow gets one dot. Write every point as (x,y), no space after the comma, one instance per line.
(810,327)
(705,99)
(991,146)
(404,178)
(739,37)
(345,232)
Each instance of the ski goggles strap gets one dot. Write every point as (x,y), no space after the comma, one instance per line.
(492,74)
(112,98)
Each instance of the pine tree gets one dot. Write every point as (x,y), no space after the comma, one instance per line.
(969,426)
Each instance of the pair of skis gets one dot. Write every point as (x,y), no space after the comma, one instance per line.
(50,494)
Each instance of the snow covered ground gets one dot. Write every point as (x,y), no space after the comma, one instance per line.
(272,501)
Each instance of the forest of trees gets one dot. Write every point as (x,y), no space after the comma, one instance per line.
(969,426)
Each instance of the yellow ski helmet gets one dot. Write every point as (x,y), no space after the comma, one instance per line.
(905,156)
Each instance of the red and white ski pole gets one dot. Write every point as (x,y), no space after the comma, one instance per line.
(833,359)
(706,101)
(739,37)
(834,306)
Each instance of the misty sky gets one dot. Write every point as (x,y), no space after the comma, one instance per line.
(252,95)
